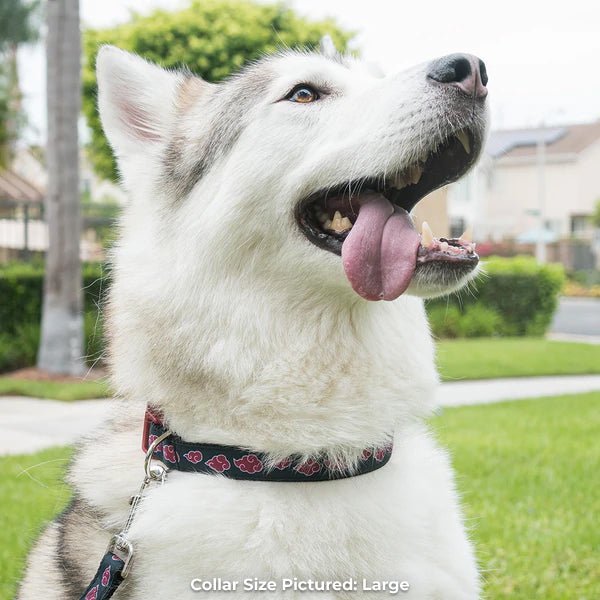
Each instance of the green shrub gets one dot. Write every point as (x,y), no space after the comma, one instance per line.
(21,291)
(475,321)
(523,291)
(513,297)
(19,350)
(479,321)
(444,320)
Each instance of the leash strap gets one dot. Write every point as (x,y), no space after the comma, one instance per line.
(116,563)
(239,463)
(107,579)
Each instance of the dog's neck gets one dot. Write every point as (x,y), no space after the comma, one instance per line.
(277,371)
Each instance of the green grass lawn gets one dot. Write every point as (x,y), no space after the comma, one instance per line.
(457,359)
(83,390)
(31,493)
(529,472)
(515,357)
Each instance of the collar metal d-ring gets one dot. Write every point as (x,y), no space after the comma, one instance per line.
(155,469)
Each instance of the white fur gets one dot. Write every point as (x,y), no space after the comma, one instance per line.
(243,332)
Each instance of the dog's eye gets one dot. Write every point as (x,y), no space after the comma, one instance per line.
(303,94)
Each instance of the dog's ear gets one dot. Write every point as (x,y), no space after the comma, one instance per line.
(327,47)
(137,101)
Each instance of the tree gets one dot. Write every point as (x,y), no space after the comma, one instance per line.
(212,37)
(17,25)
(596,215)
(18,21)
(61,345)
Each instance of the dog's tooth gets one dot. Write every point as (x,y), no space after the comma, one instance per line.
(467,236)
(463,138)
(346,224)
(336,223)
(327,224)
(444,246)
(426,235)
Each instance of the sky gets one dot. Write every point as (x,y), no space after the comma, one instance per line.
(543,58)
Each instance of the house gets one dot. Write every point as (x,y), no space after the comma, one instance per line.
(21,227)
(530,184)
(23,230)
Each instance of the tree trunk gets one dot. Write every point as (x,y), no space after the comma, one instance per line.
(61,345)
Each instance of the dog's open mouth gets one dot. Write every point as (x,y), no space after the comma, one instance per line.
(367,222)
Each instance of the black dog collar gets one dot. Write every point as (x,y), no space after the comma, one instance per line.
(240,463)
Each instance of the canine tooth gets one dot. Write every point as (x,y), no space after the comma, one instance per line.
(426,235)
(467,236)
(346,223)
(463,138)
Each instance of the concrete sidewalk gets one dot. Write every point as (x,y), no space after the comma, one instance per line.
(485,391)
(29,424)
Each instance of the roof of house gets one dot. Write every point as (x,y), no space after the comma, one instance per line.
(16,189)
(568,139)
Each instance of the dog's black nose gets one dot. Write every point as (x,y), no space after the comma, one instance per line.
(464,71)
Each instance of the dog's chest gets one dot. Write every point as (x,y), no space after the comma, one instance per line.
(371,528)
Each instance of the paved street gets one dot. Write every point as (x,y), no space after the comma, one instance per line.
(577,316)
(30,424)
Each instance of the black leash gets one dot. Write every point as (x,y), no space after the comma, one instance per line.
(107,579)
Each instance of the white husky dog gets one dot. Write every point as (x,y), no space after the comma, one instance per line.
(267,216)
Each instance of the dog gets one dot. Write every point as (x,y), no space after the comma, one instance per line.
(267,294)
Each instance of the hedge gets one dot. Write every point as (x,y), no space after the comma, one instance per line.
(21,292)
(512,297)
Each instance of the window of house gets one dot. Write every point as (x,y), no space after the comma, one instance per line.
(457,227)
(579,224)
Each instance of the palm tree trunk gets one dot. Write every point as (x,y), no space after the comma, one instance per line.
(61,344)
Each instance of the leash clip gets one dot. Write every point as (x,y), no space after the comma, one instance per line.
(155,472)
(123,549)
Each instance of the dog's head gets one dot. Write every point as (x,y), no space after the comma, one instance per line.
(303,167)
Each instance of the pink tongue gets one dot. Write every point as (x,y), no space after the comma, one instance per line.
(380,252)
